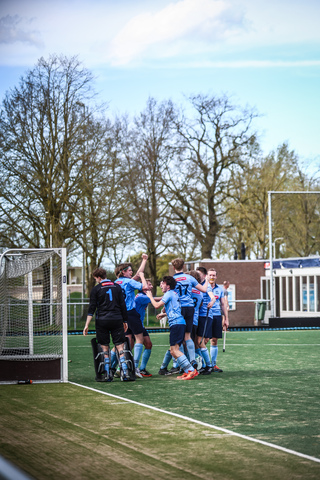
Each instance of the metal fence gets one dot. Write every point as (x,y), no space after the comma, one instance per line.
(77,314)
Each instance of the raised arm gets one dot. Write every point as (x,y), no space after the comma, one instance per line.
(156,304)
(203,288)
(143,281)
(142,266)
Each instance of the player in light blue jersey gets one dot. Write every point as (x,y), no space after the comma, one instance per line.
(177,325)
(205,324)
(185,283)
(129,285)
(197,302)
(142,302)
(219,308)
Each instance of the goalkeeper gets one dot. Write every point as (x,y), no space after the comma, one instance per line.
(106,300)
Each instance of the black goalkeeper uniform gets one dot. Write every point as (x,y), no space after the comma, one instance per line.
(106,300)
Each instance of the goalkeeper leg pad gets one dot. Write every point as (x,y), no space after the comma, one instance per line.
(130,374)
(98,360)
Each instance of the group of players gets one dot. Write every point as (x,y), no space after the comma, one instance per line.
(192,302)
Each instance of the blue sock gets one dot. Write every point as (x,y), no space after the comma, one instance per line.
(124,366)
(114,360)
(137,353)
(205,356)
(107,364)
(166,359)
(145,357)
(183,363)
(198,351)
(214,354)
(175,361)
(185,350)
(191,350)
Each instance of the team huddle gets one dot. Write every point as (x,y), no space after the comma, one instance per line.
(192,302)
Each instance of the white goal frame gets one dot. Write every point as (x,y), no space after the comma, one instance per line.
(270,193)
(63,359)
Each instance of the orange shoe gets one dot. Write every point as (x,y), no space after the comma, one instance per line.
(189,376)
(193,374)
(183,376)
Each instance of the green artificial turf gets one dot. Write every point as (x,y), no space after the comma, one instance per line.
(269,388)
(62,431)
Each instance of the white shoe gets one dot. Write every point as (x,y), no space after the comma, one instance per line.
(199,362)
(138,374)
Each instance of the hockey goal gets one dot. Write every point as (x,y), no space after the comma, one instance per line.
(33,316)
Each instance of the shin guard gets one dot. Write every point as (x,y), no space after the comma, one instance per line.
(98,359)
(129,361)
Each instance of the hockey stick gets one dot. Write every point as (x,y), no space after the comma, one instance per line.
(224,340)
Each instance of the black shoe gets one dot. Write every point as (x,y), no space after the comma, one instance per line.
(216,369)
(108,377)
(194,364)
(100,378)
(174,370)
(164,371)
(206,371)
(124,377)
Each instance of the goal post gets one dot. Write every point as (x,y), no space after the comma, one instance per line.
(33,315)
(270,193)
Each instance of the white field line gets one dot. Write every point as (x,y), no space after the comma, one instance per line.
(188,419)
(235,345)
(272,345)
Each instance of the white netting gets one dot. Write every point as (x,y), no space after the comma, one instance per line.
(31,305)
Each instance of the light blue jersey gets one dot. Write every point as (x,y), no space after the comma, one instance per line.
(206,300)
(173,308)
(142,301)
(129,286)
(218,292)
(197,300)
(185,283)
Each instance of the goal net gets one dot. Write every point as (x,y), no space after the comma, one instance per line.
(33,323)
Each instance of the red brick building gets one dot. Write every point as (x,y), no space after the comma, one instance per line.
(244,277)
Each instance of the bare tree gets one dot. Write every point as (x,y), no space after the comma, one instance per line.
(217,141)
(41,157)
(101,227)
(295,218)
(145,156)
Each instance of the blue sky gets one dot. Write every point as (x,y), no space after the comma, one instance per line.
(265,54)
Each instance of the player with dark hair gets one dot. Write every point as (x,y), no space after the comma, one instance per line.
(142,302)
(107,302)
(197,297)
(219,308)
(185,283)
(177,327)
(205,324)
(128,282)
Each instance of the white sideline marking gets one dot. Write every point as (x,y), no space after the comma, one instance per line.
(230,432)
(273,345)
(235,345)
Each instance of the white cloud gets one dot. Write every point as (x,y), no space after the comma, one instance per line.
(254,64)
(159,32)
(180,25)
(14,28)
